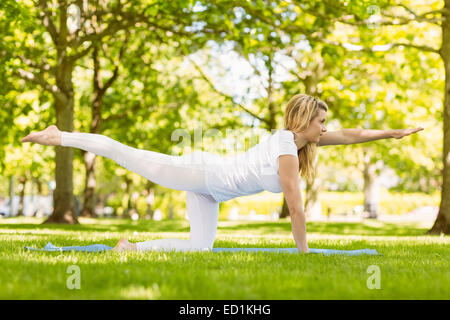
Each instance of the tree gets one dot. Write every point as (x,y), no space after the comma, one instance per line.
(361,14)
(395,16)
(50,50)
(52,71)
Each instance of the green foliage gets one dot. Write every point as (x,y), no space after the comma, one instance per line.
(158,91)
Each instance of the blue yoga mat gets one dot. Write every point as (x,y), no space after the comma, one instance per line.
(102,247)
(89,248)
(295,250)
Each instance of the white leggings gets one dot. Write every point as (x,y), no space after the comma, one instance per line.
(174,172)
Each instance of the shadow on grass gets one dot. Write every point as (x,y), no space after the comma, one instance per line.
(122,225)
(339,228)
(109,225)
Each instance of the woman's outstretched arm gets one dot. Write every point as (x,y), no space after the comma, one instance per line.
(352,136)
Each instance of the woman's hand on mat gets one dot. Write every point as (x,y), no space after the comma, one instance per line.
(304,247)
(48,137)
(400,133)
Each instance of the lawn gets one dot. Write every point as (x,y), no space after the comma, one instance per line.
(412,265)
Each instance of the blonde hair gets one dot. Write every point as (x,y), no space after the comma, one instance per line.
(300,110)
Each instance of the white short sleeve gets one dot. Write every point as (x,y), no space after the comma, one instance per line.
(286,144)
(63,138)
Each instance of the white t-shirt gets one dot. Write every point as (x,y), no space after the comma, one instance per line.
(252,172)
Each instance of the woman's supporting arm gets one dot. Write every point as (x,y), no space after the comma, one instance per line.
(289,181)
(298,222)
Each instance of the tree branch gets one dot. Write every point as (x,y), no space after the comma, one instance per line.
(228,97)
(63,30)
(378,48)
(42,67)
(443,11)
(411,45)
(47,21)
(397,21)
(79,54)
(393,20)
(116,69)
(39,80)
(110,29)
(126,20)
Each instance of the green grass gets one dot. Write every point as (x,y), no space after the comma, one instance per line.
(412,265)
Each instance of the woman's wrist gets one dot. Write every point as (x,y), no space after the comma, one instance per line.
(390,133)
(304,247)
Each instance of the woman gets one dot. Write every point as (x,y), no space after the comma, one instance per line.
(208,179)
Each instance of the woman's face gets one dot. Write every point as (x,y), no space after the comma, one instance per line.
(316,127)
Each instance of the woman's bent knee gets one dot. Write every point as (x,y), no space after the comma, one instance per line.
(201,246)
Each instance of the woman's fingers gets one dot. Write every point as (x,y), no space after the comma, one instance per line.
(50,136)
(415,130)
(400,133)
(27,138)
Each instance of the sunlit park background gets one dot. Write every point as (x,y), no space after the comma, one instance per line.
(182,76)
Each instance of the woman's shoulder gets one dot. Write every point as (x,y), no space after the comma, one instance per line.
(286,135)
(285,142)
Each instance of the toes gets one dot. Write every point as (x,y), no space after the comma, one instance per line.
(117,248)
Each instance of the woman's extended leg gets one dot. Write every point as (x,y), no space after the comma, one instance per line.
(175,172)
(180,173)
(203,212)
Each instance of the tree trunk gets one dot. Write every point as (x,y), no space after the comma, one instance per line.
(312,190)
(170,211)
(313,187)
(11,196)
(442,223)
(101,203)
(150,200)
(89,158)
(371,188)
(63,201)
(271,121)
(126,213)
(22,184)
(38,184)
(312,194)
(284,209)
(89,200)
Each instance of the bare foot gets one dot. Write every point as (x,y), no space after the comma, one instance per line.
(124,245)
(47,137)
